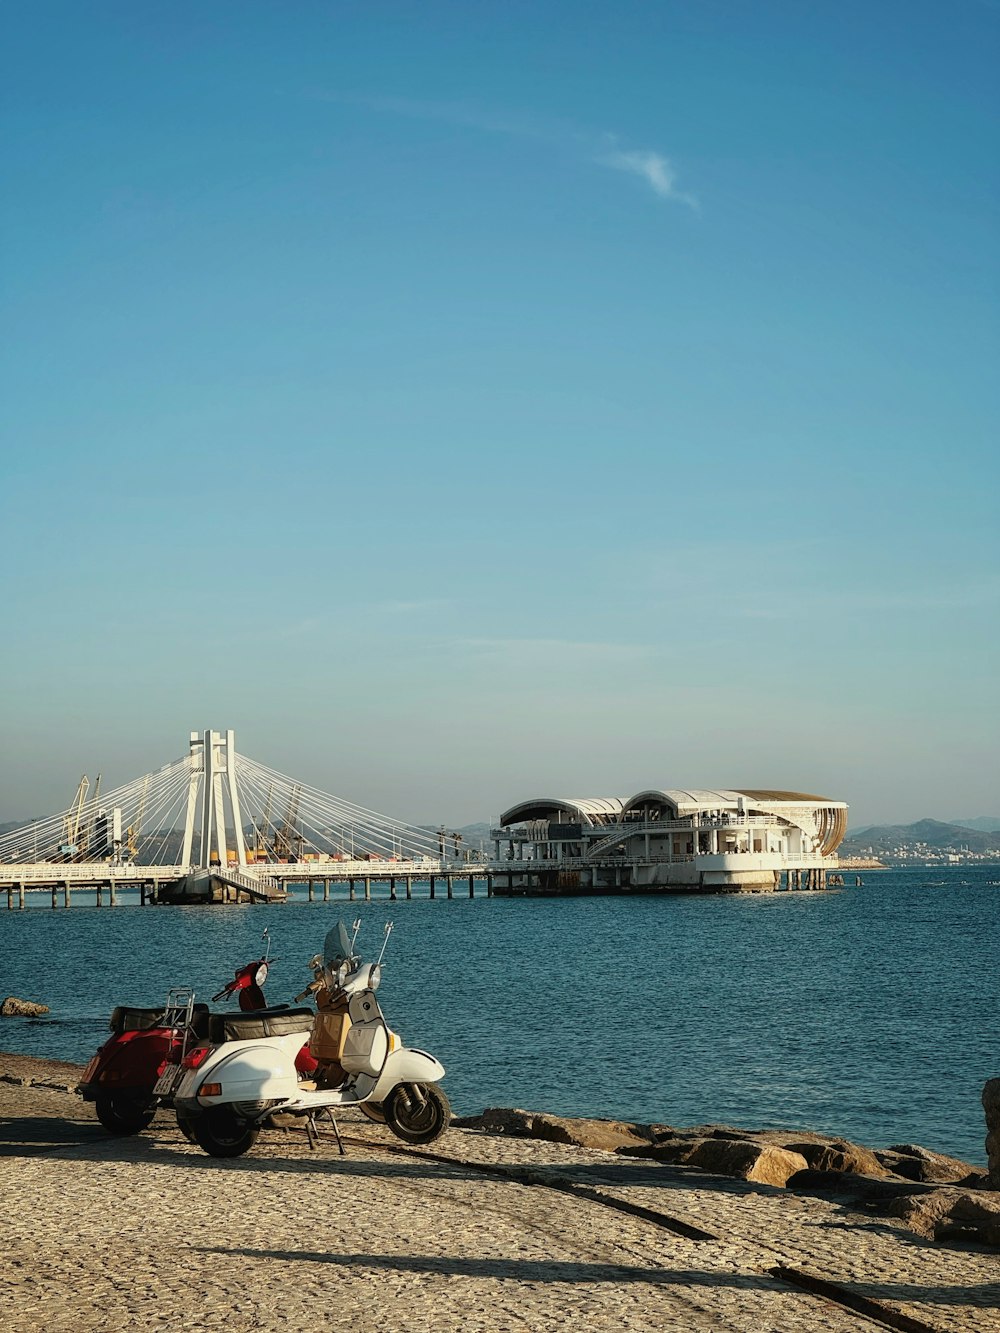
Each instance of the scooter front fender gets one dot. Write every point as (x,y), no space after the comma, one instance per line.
(405,1066)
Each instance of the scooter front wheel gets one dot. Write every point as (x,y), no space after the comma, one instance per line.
(222,1133)
(417,1112)
(125,1113)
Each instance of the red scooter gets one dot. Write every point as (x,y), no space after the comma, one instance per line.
(132,1073)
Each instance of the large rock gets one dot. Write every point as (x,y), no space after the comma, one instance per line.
(12,1007)
(607,1135)
(991,1105)
(951,1214)
(916,1163)
(838,1156)
(744,1159)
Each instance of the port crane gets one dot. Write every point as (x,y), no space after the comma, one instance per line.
(71,823)
(134,829)
(284,837)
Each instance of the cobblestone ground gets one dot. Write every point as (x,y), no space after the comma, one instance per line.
(148,1232)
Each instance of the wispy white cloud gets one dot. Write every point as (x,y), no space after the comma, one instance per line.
(605,150)
(655,169)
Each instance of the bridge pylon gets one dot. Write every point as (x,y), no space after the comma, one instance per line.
(214,800)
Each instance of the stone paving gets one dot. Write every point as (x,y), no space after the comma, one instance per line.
(476,1233)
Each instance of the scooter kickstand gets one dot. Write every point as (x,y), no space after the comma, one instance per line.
(312,1130)
(336,1129)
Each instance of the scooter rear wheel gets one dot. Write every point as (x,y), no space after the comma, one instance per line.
(186,1126)
(125,1112)
(417,1112)
(222,1133)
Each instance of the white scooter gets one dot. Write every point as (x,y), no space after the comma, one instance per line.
(247,1072)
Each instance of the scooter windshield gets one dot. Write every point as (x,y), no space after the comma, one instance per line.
(337,945)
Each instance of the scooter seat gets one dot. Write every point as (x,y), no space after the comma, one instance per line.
(262,1023)
(127,1018)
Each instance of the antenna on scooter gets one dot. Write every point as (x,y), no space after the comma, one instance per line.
(355,926)
(267,944)
(385,941)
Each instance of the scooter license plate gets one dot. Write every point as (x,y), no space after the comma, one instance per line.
(166,1082)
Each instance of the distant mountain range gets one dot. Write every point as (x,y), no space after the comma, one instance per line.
(984,823)
(883,838)
(981,834)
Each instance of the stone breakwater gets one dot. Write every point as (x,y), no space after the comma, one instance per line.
(936,1196)
(487,1230)
(991,1105)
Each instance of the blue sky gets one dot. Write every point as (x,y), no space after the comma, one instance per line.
(471,402)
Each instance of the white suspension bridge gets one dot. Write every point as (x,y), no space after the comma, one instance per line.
(215,826)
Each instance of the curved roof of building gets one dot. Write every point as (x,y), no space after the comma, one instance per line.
(702,799)
(583,809)
(791,797)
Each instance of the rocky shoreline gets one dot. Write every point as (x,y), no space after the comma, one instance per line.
(938,1197)
(643,1227)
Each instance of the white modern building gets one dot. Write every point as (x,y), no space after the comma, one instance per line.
(669,841)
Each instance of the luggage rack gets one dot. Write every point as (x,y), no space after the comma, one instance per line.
(178,1012)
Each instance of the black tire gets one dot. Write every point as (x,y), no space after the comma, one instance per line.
(186,1126)
(222,1133)
(417,1112)
(373,1110)
(125,1112)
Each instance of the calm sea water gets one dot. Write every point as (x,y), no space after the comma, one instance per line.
(870,1012)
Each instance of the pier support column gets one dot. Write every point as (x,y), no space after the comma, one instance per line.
(10,895)
(489,886)
(472,886)
(66,893)
(113,895)
(55,892)
(432,886)
(409,887)
(326,890)
(100,895)
(368,889)
(350,889)
(450,887)
(392,888)
(20,897)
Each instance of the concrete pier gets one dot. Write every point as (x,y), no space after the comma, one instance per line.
(67,884)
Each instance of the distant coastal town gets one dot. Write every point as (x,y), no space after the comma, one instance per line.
(928,842)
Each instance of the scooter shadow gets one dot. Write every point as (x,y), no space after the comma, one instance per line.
(27,1136)
(86,1141)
